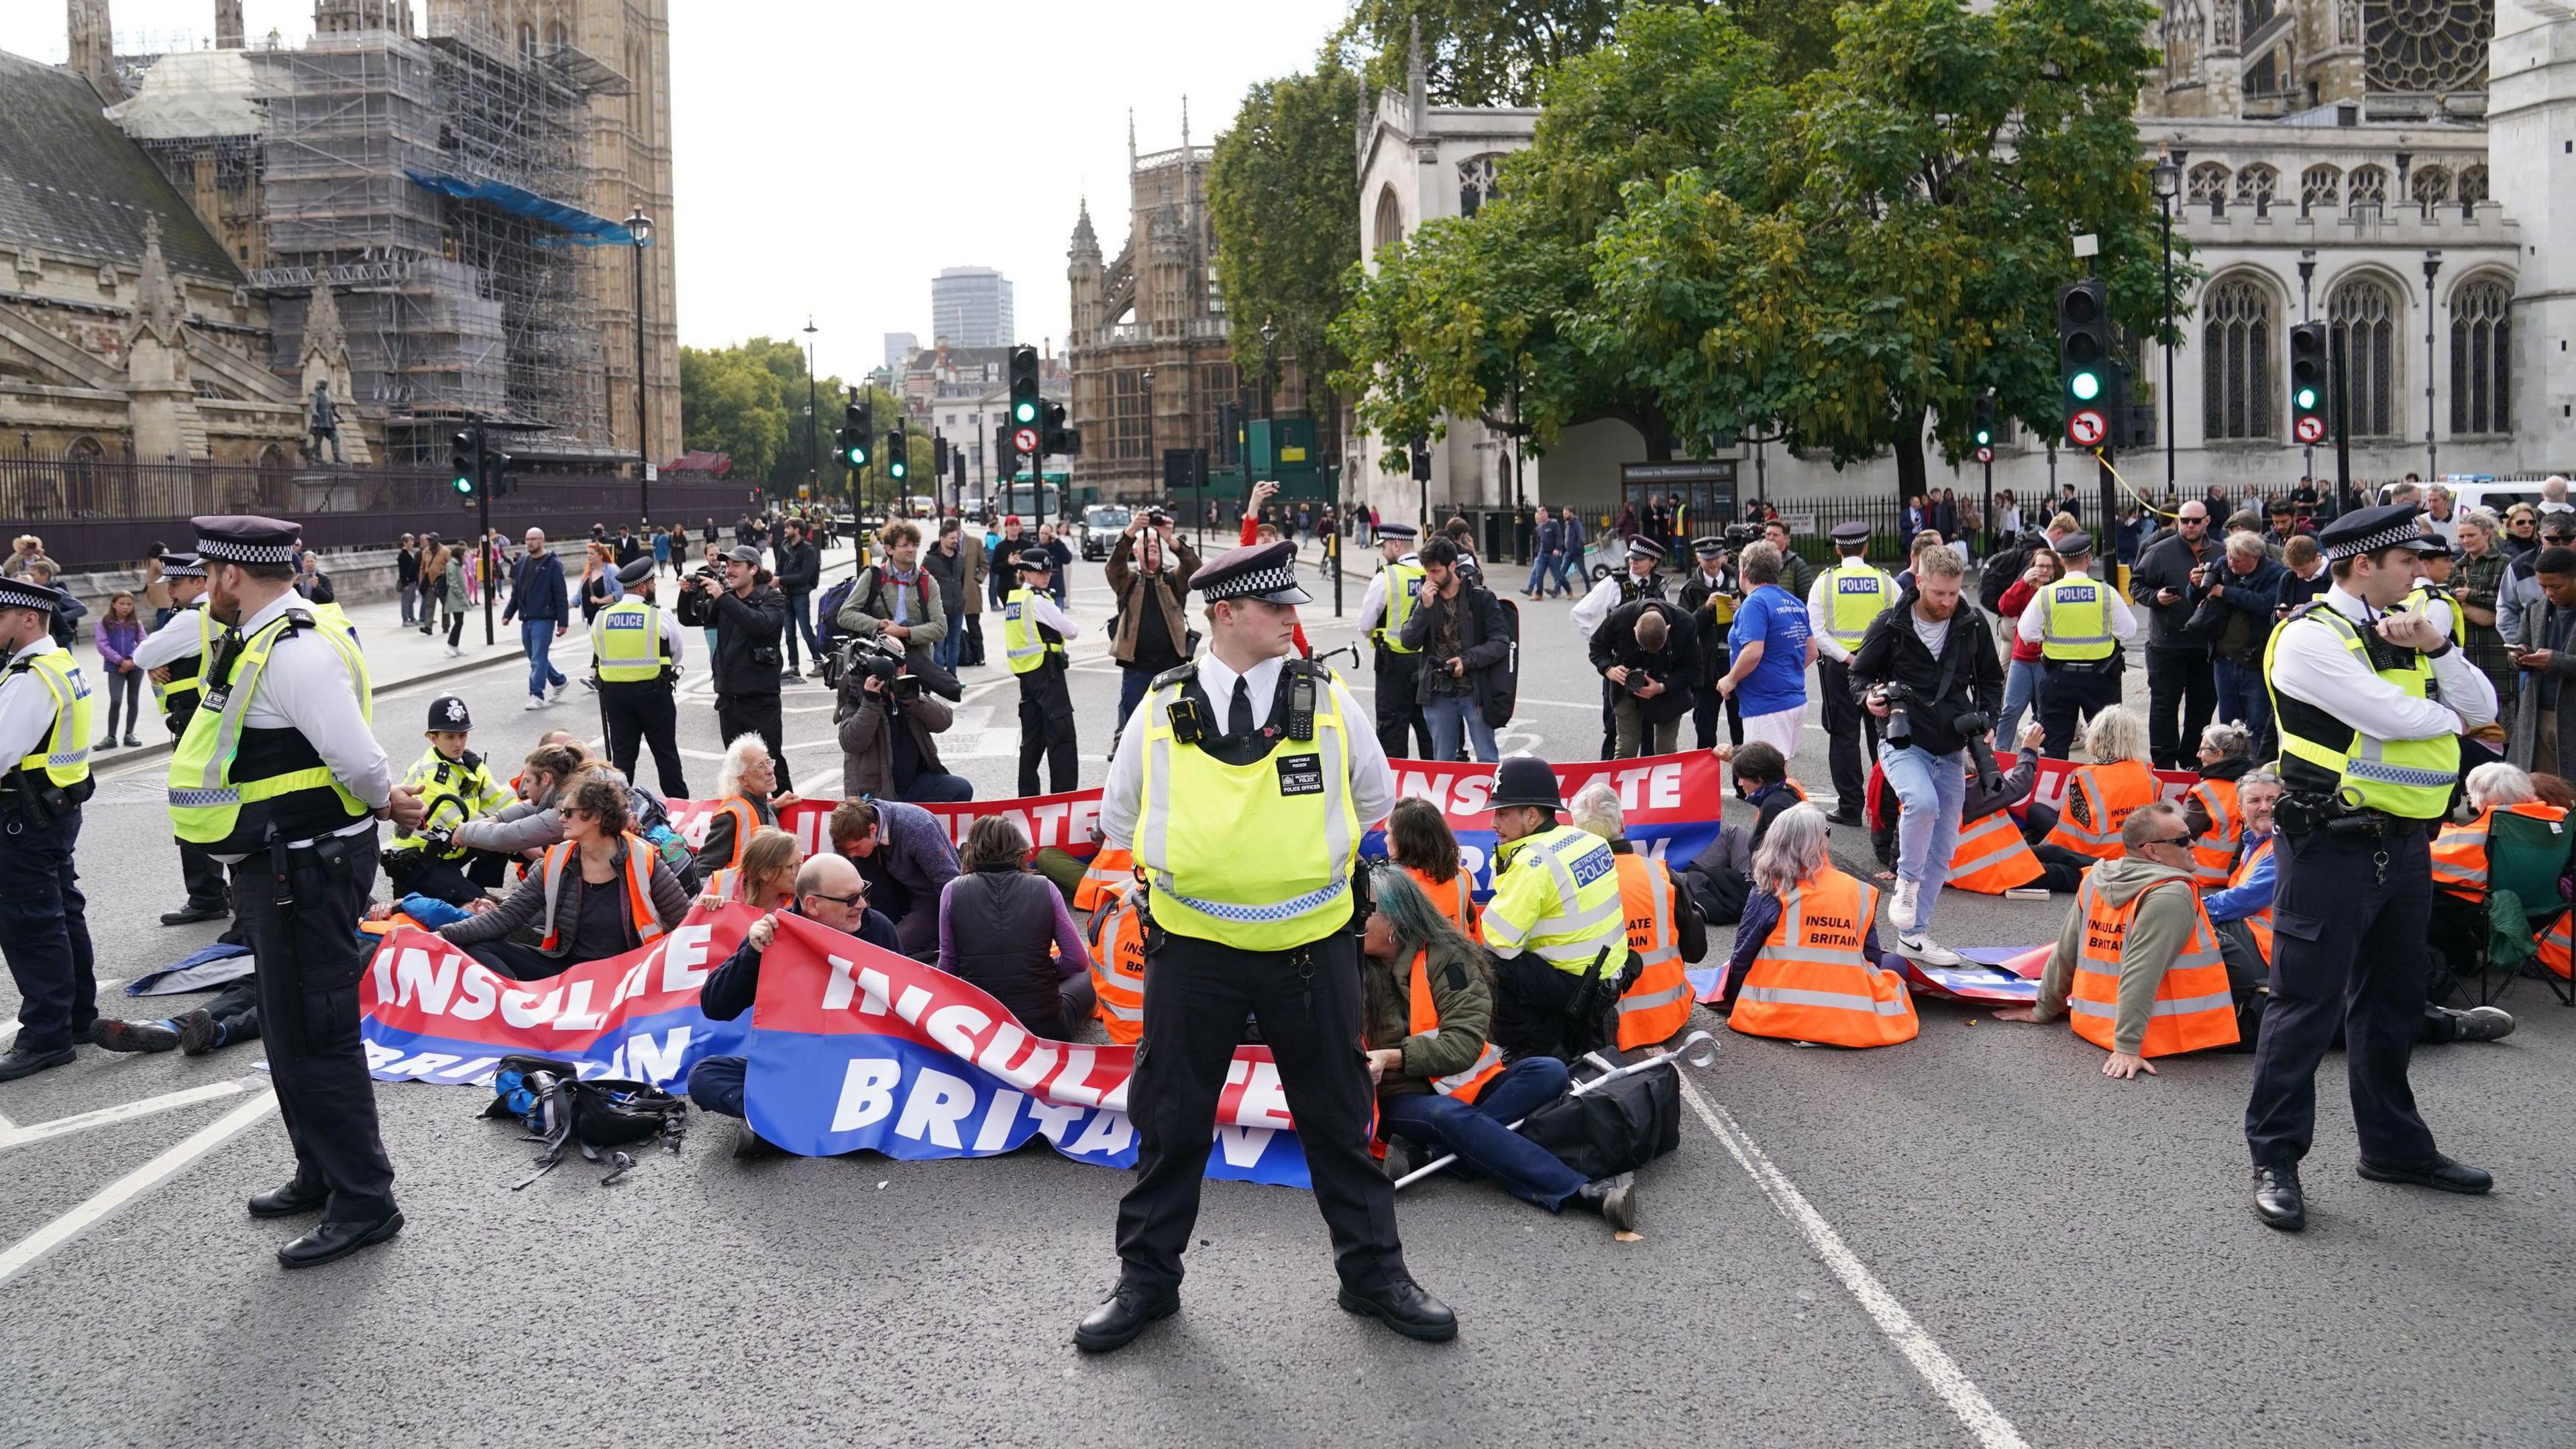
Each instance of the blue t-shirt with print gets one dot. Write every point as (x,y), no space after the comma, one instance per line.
(1774,618)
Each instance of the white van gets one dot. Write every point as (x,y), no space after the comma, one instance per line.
(2498,494)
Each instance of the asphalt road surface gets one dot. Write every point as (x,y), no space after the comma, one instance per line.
(1974,1238)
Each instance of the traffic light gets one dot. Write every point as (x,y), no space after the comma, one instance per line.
(463,474)
(854,434)
(2083,357)
(2308,421)
(939,455)
(1025,406)
(1226,438)
(898,457)
(496,474)
(1984,431)
(1421,459)
(1055,439)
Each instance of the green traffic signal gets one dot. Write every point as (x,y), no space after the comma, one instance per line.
(2307,399)
(1984,438)
(2085,385)
(1024,411)
(463,483)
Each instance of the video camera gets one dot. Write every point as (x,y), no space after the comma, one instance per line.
(1901,700)
(876,659)
(1740,534)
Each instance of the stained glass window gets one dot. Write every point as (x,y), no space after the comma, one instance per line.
(2425,47)
(2363,313)
(2481,356)
(2236,360)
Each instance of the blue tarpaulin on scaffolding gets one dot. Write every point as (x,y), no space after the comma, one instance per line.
(580,227)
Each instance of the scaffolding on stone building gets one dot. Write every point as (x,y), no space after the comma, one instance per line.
(436,183)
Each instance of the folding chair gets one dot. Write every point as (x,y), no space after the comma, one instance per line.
(2527,856)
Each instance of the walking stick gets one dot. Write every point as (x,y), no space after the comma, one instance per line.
(1699,1049)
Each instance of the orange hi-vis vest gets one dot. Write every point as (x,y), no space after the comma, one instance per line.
(1425,1022)
(2193,1008)
(2099,800)
(2558,945)
(745,821)
(725,885)
(1812,981)
(2460,851)
(1109,871)
(639,889)
(1118,967)
(2211,854)
(1991,857)
(2260,923)
(1455,898)
(1659,1001)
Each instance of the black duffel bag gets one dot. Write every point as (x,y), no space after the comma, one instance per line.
(1614,1128)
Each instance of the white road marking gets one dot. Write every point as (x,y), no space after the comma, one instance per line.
(134,1185)
(125,1112)
(1963,1398)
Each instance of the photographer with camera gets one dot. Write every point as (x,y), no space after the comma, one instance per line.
(1649,652)
(888,726)
(1149,570)
(2170,579)
(1929,671)
(1459,630)
(747,616)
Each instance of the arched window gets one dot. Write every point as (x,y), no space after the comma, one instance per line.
(2184,25)
(2320,186)
(2256,186)
(84,481)
(1389,230)
(2236,334)
(555,36)
(2368,185)
(2209,187)
(2363,313)
(2473,184)
(527,41)
(2481,356)
(1479,181)
(2430,185)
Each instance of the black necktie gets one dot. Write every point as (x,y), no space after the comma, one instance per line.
(1238,716)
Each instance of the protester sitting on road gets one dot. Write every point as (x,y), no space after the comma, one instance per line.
(1418,840)
(1664,927)
(2209,808)
(2101,795)
(2459,923)
(744,802)
(830,893)
(1720,877)
(2241,907)
(1007,929)
(766,879)
(599,892)
(1805,966)
(1762,781)
(520,830)
(2553,790)
(1553,922)
(903,852)
(1442,1086)
(2137,963)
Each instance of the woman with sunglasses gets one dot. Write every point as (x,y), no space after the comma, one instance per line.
(599,892)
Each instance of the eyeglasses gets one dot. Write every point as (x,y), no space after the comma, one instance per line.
(2182,840)
(853,902)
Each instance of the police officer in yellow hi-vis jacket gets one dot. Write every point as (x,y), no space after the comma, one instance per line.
(2079,623)
(175,657)
(44,924)
(1391,599)
(1840,608)
(635,654)
(1242,786)
(1554,924)
(2370,701)
(280,777)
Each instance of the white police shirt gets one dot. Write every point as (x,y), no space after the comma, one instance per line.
(306,688)
(1372,780)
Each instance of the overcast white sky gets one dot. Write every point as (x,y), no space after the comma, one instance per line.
(775,101)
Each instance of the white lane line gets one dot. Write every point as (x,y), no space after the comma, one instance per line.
(1964,1399)
(133,1185)
(124,1112)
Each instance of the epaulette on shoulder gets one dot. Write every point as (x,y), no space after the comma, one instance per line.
(1177,674)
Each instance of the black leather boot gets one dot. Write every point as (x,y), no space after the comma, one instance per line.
(1115,1324)
(1404,1307)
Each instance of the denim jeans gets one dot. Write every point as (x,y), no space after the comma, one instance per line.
(2022,685)
(410,603)
(800,622)
(1569,572)
(945,653)
(1132,685)
(1543,569)
(2243,699)
(1454,719)
(1480,1131)
(537,638)
(1933,790)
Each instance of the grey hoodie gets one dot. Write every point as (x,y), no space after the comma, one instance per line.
(2157,934)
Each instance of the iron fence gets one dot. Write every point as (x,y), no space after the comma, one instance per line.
(98,514)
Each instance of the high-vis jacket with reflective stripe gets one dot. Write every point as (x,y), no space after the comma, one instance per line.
(2460,851)
(626,644)
(638,879)
(188,676)
(1812,980)
(1657,1003)
(1991,857)
(2211,853)
(1025,641)
(1424,1022)
(746,821)
(2322,753)
(2075,620)
(1454,898)
(1855,594)
(227,782)
(1108,873)
(1556,896)
(2193,1009)
(1118,965)
(1257,856)
(2259,923)
(1402,582)
(2099,800)
(452,792)
(62,756)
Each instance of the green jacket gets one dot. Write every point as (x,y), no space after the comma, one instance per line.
(1462,992)
(2157,934)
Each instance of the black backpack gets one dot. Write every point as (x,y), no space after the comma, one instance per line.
(1996,578)
(560,1111)
(1617,1127)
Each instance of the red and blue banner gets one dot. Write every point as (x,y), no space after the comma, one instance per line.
(1670,803)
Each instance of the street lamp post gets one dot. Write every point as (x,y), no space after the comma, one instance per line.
(2307,275)
(2432,265)
(1269,397)
(2167,177)
(640,227)
(813,418)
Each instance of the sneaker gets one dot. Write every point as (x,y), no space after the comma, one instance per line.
(455,653)
(558,692)
(1900,905)
(534,702)
(1923,948)
(132,743)
(106,744)
(199,1033)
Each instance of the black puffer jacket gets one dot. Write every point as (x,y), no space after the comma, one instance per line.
(747,626)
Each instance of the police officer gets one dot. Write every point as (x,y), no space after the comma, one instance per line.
(1034,628)
(455,785)
(635,655)
(174,659)
(281,778)
(2079,623)
(2370,705)
(1842,604)
(1391,599)
(44,742)
(1554,925)
(1710,594)
(1243,796)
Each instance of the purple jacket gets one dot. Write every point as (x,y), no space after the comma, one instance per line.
(117,641)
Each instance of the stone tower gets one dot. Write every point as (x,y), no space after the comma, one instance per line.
(2531,112)
(93,50)
(1083,271)
(228,24)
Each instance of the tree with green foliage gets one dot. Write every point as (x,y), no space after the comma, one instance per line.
(749,401)
(1475,52)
